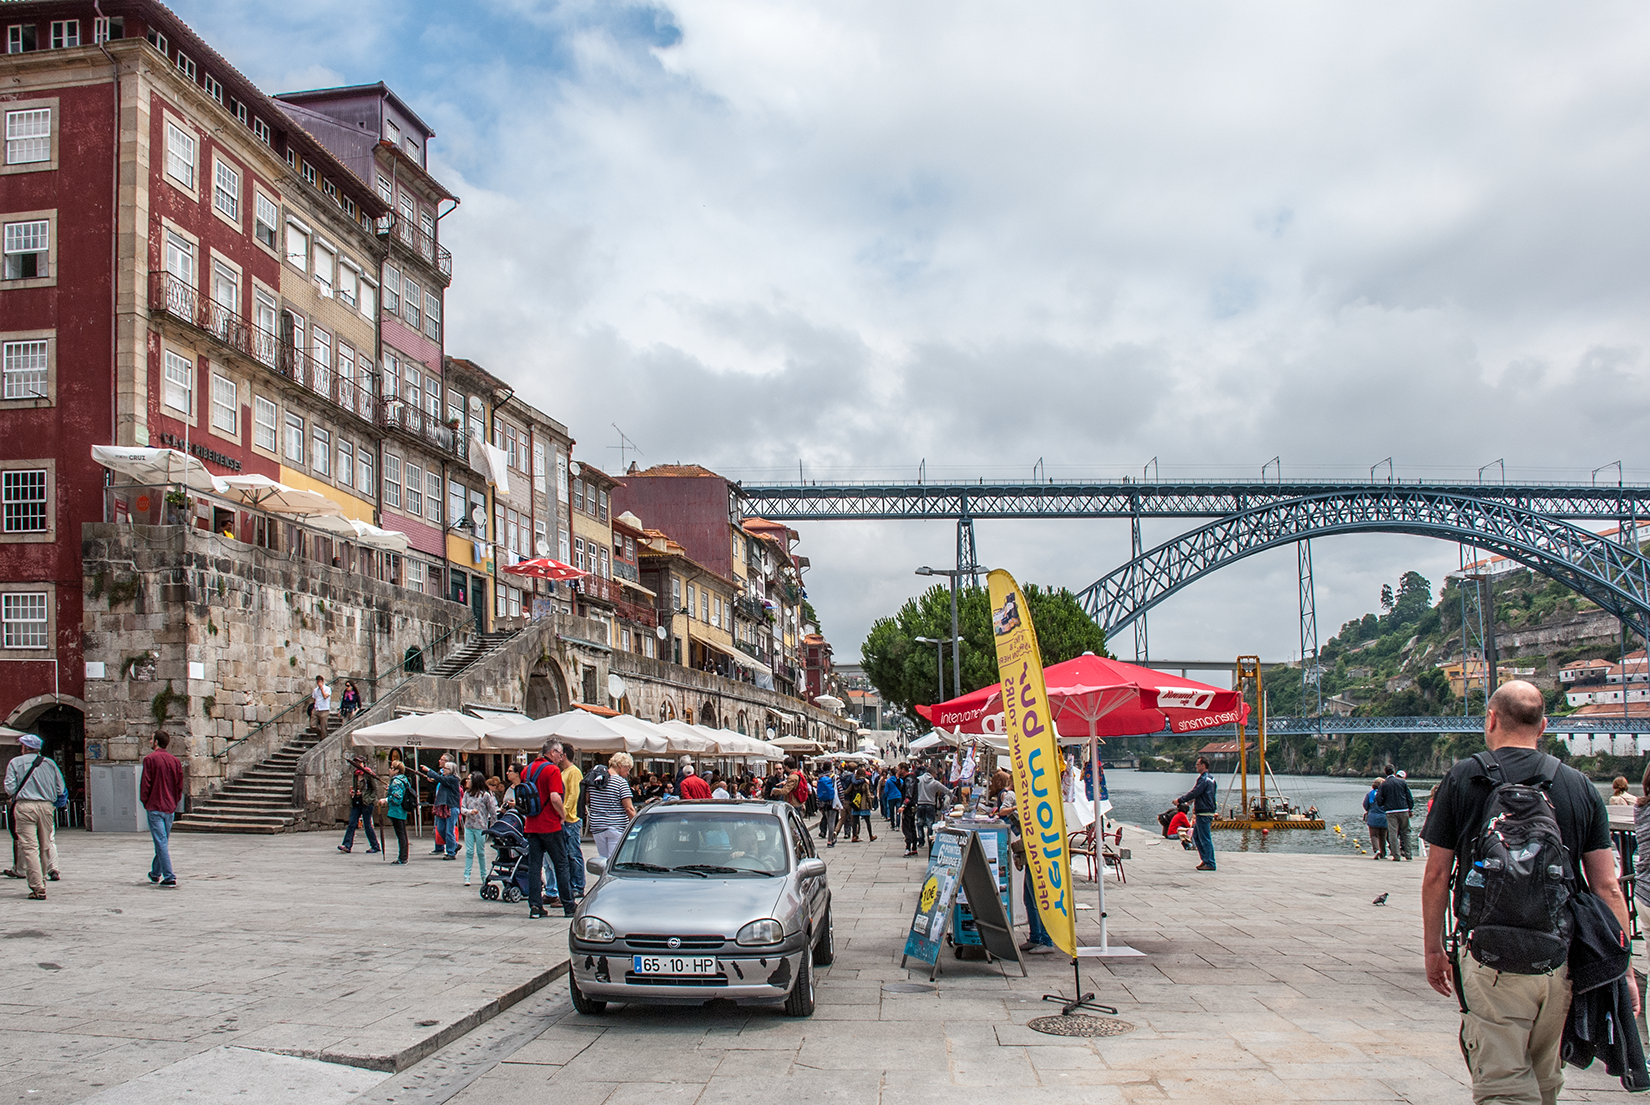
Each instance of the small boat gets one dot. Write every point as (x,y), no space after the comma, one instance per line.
(1267,812)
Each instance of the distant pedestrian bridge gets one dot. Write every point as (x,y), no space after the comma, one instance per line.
(1587,736)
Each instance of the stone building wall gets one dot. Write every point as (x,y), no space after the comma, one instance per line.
(209,637)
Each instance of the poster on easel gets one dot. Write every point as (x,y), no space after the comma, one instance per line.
(934,901)
(991,919)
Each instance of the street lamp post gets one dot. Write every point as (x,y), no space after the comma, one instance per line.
(939,644)
(956,655)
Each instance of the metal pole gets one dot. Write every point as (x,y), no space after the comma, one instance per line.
(956,644)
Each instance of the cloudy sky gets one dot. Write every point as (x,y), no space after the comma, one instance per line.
(862,236)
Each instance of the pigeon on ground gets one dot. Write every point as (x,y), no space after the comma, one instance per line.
(1381,900)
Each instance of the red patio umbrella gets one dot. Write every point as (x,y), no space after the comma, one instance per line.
(1091,697)
(543,567)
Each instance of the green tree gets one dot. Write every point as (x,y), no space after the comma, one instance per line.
(907,673)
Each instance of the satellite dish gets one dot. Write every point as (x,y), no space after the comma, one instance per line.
(661,632)
(542,548)
(575,467)
(615,686)
(478,515)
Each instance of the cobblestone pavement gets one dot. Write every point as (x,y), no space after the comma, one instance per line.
(271,942)
(1275,978)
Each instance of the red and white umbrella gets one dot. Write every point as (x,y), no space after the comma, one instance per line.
(1091,696)
(542,567)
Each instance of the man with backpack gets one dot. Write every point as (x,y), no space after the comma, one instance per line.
(829,807)
(539,798)
(1515,835)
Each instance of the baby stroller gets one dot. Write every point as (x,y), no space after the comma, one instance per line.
(509,864)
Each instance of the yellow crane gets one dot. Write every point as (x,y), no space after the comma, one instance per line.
(1267,812)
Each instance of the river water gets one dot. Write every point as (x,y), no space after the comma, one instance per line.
(1137,797)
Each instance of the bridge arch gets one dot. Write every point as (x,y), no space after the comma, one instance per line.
(1615,576)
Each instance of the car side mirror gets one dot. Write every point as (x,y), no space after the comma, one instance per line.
(810,869)
(596,865)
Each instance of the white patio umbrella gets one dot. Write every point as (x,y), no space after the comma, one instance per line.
(576,729)
(155,466)
(642,728)
(259,491)
(796,744)
(447,729)
(690,740)
(387,539)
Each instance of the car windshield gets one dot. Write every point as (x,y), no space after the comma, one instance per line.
(703,844)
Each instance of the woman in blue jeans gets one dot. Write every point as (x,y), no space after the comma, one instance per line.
(479,809)
(448,798)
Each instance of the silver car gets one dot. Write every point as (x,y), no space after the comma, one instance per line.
(704,901)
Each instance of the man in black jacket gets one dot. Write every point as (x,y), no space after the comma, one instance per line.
(1202,798)
(1397,803)
(1513,1023)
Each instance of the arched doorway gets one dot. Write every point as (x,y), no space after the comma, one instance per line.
(707,715)
(667,710)
(546,691)
(743,724)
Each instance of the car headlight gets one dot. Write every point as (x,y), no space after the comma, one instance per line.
(593,929)
(757,933)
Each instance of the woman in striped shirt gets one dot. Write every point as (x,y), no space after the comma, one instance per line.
(610,805)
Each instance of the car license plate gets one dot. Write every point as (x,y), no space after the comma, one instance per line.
(674,965)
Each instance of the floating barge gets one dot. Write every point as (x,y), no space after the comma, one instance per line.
(1267,812)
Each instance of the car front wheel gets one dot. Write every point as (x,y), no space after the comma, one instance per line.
(800,1001)
(581,1004)
(825,950)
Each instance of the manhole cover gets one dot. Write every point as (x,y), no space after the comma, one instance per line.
(1079,1026)
(907,988)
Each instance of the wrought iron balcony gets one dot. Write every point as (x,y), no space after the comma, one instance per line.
(169,295)
(432,252)
(354,395)
(398,416)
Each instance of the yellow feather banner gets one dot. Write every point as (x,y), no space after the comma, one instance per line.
(1034,748)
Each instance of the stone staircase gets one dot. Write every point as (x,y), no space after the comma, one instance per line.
(474,651)
(260,800)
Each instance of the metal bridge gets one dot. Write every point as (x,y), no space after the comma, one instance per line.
(1529,523)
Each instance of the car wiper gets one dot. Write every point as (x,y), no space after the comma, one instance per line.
(700,869)
(633,866)
(717,870)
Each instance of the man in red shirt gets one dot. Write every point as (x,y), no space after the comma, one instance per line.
(161,789)
(692,788)
(544,835)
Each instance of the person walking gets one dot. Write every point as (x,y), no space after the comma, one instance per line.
(931,794)
(33,783)
(444,807)
(893,796)
(862,801)
(478,808)
(1202,800)
(572,782)
(160,790)
(544,836)
(1397,803)
(363,792)
(908,810)
(610,804)
(1375,818)
(398,805)
(830,807)
(350,704)
(1512,1024)
(320,706)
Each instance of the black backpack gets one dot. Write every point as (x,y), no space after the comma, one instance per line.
(529,802)
(1514,879)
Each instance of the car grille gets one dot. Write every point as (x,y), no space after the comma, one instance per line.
(633,979)
(648,942)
